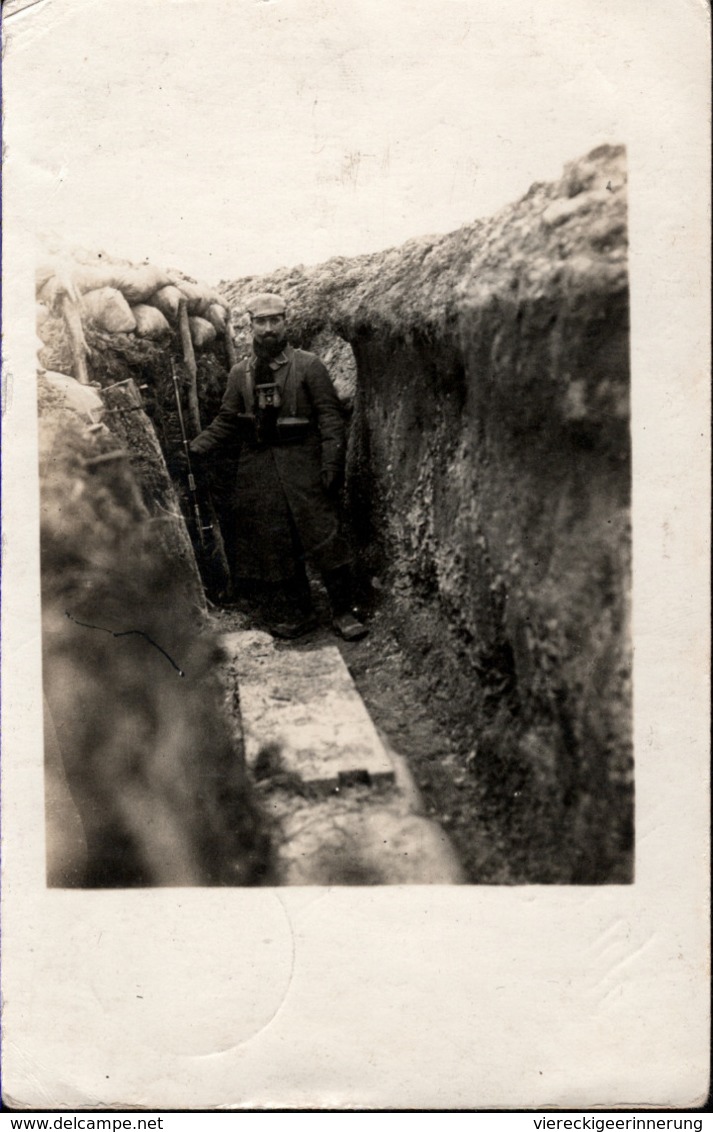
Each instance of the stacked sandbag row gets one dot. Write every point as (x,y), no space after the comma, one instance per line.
(121,298)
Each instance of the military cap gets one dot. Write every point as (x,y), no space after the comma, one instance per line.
(265,303)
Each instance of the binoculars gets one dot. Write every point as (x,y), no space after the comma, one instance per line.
(268,396)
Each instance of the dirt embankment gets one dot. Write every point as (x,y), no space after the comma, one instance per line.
(489,487)
(144,782)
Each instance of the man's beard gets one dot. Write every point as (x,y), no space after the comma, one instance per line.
(270,346)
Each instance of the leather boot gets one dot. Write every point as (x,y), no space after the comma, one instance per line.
(338,584)
(299,615)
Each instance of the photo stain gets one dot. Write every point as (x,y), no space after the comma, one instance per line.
(127,633)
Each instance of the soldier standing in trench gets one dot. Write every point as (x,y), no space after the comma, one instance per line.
(282,411)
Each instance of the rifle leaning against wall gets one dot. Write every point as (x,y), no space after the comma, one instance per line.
(201,528)
(213,562)
(212,559)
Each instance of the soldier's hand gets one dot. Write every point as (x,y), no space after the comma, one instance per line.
(178,463)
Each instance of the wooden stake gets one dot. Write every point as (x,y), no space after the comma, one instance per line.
(230,346)
(189,358)
(77,341)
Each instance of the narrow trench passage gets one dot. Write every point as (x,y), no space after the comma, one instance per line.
(429,825)
(432,754)
(488,487)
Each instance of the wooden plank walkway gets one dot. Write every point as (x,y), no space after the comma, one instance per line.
(305,703)
(345,807)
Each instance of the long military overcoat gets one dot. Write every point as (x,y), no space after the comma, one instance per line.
(279,491)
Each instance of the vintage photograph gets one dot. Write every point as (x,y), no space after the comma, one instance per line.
(355,589)
(335,524)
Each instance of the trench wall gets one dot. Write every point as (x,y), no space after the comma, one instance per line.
(489,487)
(145,784)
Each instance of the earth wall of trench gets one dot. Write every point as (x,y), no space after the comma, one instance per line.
(145,782)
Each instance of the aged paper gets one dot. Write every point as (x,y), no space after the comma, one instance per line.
(461,997)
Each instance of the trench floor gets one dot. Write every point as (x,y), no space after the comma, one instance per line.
(416,722)
(417,726)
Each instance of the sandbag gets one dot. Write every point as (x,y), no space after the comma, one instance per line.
(58,276)
(167,300)
(92,278)
(108,309)
(53,279)
(217,316)
(202,333)
(192,293)
(137,284)
(199,296)
(150,323)
(220,300)
(72,279)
